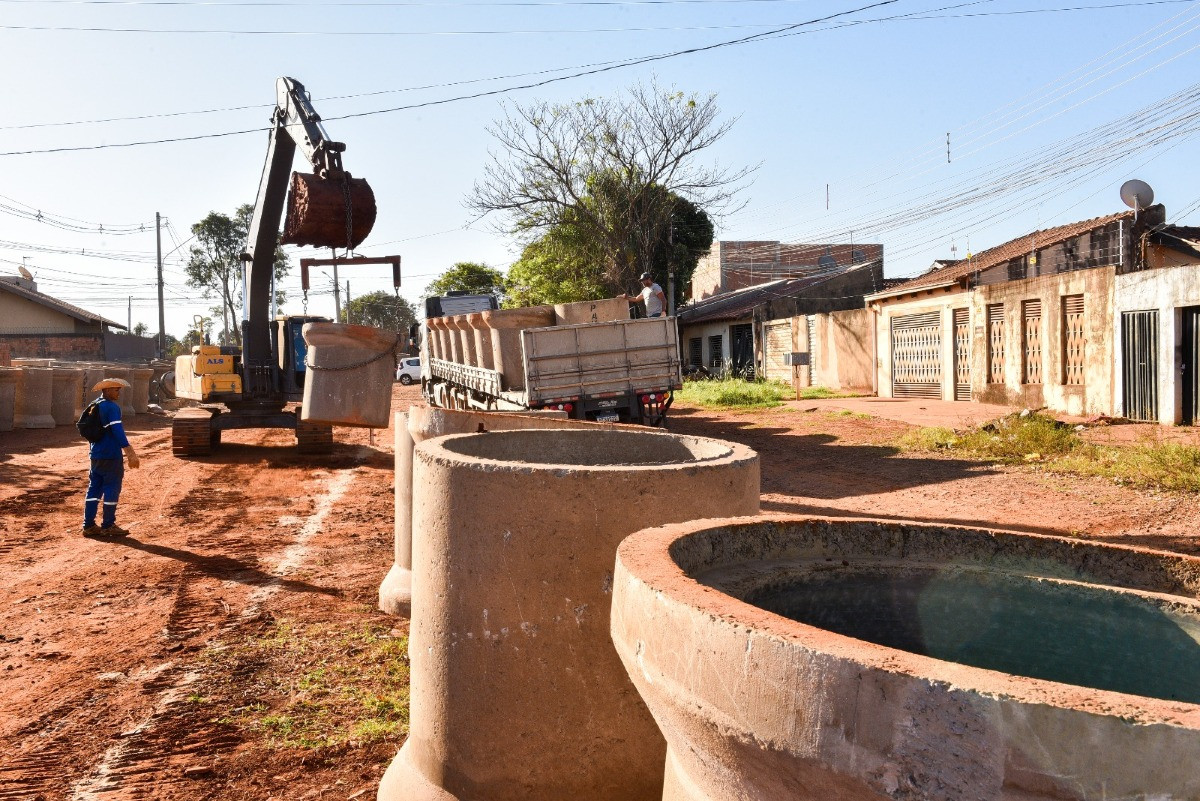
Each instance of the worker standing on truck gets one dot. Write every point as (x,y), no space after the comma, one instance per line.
(651,294)
(108,466)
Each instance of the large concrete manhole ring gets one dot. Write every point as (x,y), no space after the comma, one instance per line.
(788,657)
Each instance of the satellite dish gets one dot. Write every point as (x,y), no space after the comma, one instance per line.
(1137,194)
(25,273)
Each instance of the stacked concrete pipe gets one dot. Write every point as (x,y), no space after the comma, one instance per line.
(67,389)
(93,374)
(8,396)
(139,395)
(125,399)
(461,330)
(507,350)
(515,690)
(481,332)
(34,397)
(807,658)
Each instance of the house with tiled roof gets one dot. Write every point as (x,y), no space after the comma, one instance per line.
(1048,320)
(34,324)
(739,332)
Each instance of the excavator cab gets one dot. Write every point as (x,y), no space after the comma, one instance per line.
(292,350)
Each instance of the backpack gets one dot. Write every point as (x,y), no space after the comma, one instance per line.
(89,424)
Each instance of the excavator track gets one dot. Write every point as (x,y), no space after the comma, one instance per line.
(314,437)
(192,433)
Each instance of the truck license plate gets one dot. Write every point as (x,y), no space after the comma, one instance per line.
(607,417)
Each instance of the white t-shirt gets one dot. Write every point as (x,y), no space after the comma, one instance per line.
(650,295)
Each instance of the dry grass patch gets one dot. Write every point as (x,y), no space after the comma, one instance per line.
(1058,448)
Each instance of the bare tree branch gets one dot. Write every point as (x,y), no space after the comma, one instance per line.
(608,167)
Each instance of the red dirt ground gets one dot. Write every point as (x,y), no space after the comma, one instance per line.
(102,642)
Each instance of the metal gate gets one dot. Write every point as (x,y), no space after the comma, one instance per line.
(1139,357)
(742,355)
(776,347)
(1190,368)
(962,354)
(917,356)
(810,323)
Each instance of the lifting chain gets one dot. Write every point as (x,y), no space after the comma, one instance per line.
(349,213)
(305,307)
(382,354)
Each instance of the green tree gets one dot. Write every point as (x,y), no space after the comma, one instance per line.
(139,330)
(609,167)
(381,310)
(566,265)
(468,276)
(215,266)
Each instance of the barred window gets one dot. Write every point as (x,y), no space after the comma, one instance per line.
(995,321)
(1031,316)
(1074,345)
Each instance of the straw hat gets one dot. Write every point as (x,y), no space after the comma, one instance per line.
(111,383)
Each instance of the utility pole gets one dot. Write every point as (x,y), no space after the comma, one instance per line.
(129,316)
(337,297)
(347,301)
(671,270)
(162,318)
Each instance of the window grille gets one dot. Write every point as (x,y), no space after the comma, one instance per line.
(995,320)
(1031,316)
(1074,345)
(695,351)
(715,357)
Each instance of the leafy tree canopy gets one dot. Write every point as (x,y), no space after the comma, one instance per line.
(468,276)
(215,266)
(381,310)
(565,264)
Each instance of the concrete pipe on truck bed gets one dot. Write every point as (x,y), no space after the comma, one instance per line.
(809,658)
(516,693)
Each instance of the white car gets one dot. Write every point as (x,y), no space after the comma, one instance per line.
(408,371)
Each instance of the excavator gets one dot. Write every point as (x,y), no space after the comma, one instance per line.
(251,386)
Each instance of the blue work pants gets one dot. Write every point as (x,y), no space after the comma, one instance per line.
(104,487)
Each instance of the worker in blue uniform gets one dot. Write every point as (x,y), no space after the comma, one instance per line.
(108,466)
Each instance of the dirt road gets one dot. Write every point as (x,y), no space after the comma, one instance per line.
(123,667)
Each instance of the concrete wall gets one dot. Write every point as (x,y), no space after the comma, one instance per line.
(1096,394)
(122,347)
(939,300)
(843,350)
(1167,288)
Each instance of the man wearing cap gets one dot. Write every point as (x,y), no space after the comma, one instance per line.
(651,294)
(108,467)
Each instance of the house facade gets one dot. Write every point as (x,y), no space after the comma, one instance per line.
(34,324)
(739,332)
(1095,317)
(1156,330)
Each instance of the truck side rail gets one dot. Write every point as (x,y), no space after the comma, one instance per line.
(477,378)
(591,360)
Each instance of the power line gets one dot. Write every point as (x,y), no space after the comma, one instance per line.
(489,93)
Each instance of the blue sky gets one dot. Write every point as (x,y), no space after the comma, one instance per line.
(861,104)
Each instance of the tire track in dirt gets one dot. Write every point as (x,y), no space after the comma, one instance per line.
(153,756)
